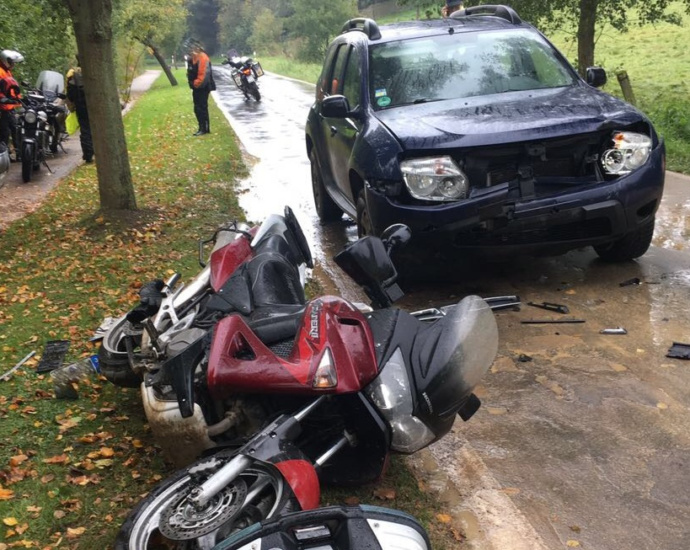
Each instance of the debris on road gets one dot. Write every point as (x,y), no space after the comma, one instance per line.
(629,282)
(503,302)
(523,358)
(617,330)
(551,321)
(550,306)
(679,351)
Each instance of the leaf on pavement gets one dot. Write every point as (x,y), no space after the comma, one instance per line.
(443,518)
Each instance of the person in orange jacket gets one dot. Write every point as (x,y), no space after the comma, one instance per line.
(200,77)
(9,94)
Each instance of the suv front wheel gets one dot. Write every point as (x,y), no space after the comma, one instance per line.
(326,208)
(631,246)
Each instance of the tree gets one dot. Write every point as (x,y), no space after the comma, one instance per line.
(588,15)
(92,21)
(24,27)
(431,8)
(266,33)
(153,23)
(203,23)
(317,22)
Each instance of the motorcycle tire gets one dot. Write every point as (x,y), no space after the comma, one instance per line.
(27,164)
(254,90)
(204,528)
(54,139)
(116,368)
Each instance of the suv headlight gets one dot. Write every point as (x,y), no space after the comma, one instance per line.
(628,152)
(391,394)
(434,179)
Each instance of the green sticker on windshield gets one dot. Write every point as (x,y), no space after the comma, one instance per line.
(383,101)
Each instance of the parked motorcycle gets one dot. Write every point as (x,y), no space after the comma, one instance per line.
(245,73)
(52,85)
(335,386)
(341,527)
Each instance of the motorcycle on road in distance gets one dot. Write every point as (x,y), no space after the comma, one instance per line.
(278,393)
(245,73)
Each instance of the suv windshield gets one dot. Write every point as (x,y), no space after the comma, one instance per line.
(462,64)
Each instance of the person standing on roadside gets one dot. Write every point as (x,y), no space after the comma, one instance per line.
(200,77)
(450,7)
(77,97)
(9,96)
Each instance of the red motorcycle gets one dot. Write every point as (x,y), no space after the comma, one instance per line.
(336,387)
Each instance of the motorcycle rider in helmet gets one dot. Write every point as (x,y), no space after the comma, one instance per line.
(9,95)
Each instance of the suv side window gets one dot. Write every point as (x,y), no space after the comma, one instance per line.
(323,87)
(352,84)
(336,85)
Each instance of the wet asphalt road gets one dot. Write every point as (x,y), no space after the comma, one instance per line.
(584,438)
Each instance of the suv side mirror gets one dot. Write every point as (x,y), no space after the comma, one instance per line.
(335,106)
(596,76)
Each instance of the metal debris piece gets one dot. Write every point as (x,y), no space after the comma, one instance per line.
(102,329)
(617,330)
(7,375)
(503,302)
(679,351)
(550,306)
(53,355)
(522,358)
(551,321)
(633,281)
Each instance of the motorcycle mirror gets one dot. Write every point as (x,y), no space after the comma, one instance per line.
(396,236)
(342,527)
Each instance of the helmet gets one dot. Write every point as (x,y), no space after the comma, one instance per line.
(9,57)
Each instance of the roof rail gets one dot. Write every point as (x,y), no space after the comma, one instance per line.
(368,27)
(505,12)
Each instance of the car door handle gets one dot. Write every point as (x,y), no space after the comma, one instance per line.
(334,131)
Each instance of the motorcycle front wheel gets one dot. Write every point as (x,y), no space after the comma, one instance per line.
(166,518)
(114,358)
(27,163)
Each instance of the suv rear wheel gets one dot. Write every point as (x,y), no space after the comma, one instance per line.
(631,246)
(326,209)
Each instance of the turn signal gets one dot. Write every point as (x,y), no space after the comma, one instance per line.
(325,376)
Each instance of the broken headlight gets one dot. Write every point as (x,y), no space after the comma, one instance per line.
(627,152)
(434,179)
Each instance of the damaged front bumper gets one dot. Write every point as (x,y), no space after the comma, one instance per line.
(500,219)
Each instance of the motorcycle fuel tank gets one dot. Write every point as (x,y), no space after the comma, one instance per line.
(332,332)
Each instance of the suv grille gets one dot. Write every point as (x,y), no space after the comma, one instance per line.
(569,160)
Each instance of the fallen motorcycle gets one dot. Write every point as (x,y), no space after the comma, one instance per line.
(335,386)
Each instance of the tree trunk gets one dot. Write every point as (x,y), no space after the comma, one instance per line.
(93,31)
(585,35)
(161,60)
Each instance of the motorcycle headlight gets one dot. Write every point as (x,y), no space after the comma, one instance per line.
(435,179)
(627,152)
(30,117)
(391,393)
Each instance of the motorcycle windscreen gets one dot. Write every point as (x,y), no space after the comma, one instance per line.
(451,356)
(50,82)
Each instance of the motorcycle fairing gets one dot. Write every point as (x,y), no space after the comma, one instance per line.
(240,362)
(303,481)
(225,261)
(178,371)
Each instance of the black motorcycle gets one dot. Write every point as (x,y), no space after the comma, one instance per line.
(33,131)
(52,85)
(245,73)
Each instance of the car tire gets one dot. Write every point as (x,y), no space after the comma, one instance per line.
(326,208)
(631,246)
(364,226)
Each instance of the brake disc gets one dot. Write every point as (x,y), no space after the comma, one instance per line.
(181,520)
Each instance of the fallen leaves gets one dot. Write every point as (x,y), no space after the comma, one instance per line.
(6,494)
(58,459)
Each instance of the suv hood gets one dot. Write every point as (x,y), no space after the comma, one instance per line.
(507,118)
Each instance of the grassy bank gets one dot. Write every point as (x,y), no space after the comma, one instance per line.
(308,72)
(70,471)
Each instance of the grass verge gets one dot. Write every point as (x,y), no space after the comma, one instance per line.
(70,471)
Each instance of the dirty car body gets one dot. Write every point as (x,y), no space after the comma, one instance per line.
(478,134)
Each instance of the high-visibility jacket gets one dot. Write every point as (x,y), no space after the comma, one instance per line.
(8,88)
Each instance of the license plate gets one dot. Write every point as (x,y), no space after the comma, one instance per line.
(250,79)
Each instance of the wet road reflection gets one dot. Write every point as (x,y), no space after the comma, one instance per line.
(272,131)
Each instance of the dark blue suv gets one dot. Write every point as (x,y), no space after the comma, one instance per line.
(478,134)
